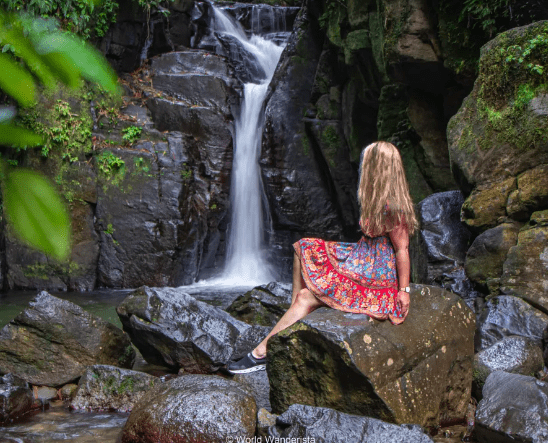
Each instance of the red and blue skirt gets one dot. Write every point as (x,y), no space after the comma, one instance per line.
(352,277)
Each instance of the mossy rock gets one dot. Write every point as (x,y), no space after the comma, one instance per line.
(501,128)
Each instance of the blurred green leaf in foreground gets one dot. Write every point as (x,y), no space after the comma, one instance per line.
(37,53)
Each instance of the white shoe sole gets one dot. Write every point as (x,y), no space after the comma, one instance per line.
(247,371)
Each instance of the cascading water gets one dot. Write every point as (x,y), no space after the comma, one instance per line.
(246,264)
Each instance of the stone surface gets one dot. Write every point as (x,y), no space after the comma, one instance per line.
(324,424)
(260,306)
(15,398)
(516,354)
(438,250)
(495,136)
(192,408)
(257,383)
(66,393)
(52,341)
(108,388)
(488,252)
(418,372)
(171,328)
(505,315)
(513,409)
(525,271)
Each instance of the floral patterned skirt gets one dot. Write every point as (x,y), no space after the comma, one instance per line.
(352,277)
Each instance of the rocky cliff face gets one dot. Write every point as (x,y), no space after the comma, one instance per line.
(353,72)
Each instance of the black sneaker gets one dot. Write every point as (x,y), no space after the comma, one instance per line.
(247,364)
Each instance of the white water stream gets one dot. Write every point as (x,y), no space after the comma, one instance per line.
(246,264)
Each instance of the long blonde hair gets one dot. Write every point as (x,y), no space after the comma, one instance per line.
(383,192)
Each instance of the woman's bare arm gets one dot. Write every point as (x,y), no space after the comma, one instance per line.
(399,237)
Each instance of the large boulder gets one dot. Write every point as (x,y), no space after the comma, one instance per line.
(496,139)
(513,410)
(514,354)
(324,424)
(52,341)
(505,315)
(438,250)
(171,328)
(262,306)
(418,372)
(15,398)
(525,271)
(487,254)
(108,388)
(192,408)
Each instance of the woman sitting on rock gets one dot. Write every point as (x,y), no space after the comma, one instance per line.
(369,277)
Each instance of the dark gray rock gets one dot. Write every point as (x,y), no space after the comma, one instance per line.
(108,388)
(192,408)
(260,306)
(199,78)
(328,425)
(486,255)
(519,355)
(52,341)
(438,250)
(246,66)
(297,180)
(203,123)
(257,384)
(507,315)
(16,398)
(367,367)
(514,409)
(171,328)
(248,340)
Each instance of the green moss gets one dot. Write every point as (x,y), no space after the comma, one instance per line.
(331,144)
(45,271)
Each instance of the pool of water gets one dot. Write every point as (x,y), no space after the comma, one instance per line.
(58,423)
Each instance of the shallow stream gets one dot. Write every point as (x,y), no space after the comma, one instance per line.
(57,423)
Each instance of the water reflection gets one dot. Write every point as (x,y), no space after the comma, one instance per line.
(58,424)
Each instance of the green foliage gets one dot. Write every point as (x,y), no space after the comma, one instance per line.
(36,212)
(465,27)
(109,230)
(64,132)
(186,172)
(80,17)
(131,134)
(515,54)
(109,164)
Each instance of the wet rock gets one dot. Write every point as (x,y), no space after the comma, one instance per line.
(246,65)
(532,189)
(260,306)
(505,315)
(203,123)
(15,398)
(199,78)
(192,408)
(525,271)
(257,383)
(108,388)
(439,248)
(45,393)
(488,253)
(171,328)
(513,409)
(519,355)
(66,393)
(52,341)
(248,340)
(264,421)
(324,424)
(367,367)
(297,180)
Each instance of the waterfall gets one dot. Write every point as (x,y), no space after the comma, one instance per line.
(246,263)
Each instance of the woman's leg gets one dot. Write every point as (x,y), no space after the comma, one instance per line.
(304,303)
(298,282)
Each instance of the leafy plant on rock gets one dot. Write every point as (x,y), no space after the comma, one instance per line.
(39,54)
